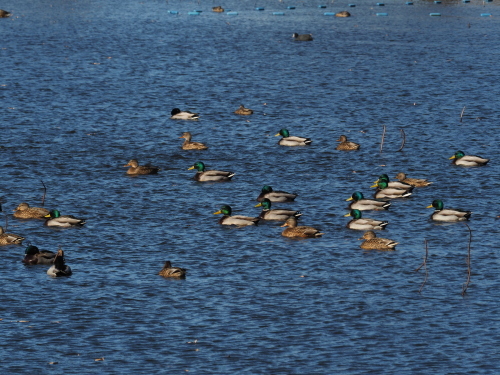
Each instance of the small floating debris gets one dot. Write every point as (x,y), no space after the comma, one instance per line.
(352,5)
(99,359)
(382,14)
(279,13)
(259,8)
(197,10)
(173,11)
(381,4)
(290,7)
(321,6)
(409,3)
(465,1)
(437,1)
(435,14)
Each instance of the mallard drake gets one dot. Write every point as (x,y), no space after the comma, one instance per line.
(345,145)
(392,184)
(59,268)
(4,14)
(302,37)
(34,256)
(364,224)
(276,214)
(468,160)
(275,196)
(288,140)
(415,182)
(362,204)
(450,215)
(136,169)
(237,220)
(177,114)
(65,221)
(203,175)
(383,191)
(243,111)
(372,242)
(218,9)
(169,271)
(188,145)
(299,231)
(10,238)
(24,211)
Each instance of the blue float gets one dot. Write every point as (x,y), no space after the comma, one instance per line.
(194,13)
(232,13)
(382,14)
(259,8)
(409,3)
(196,10)
(279,13)
(291,7)
(380,4)
(485,14)
(435,14)
(437,2)
(321,6)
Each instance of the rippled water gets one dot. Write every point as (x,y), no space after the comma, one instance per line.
(86,86)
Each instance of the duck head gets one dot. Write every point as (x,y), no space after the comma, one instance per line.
(284,133)
(356,214)
(291,222)
(53,214)
(199,166)
(175,111)
(356,196)
(226,210)
(31,250)
(381,185)
(265,204)
(437,204)
(458,155)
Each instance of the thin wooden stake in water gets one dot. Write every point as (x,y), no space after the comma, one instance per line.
(424,264)
(404,139)
(44,192)
(382,141)
(462,114)
(466,285)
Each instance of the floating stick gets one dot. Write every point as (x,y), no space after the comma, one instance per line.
(44,192)
(466,285)
(424,264)
(462,114)
(382,141)
(404,139)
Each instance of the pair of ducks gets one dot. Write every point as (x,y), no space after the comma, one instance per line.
(54,217)
(59,268)
(177,114)
(288,140)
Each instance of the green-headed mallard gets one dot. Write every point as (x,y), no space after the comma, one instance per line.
(302,37)
(65,221)
(359,223)
(345,145)
(169,271)
(136,169)
(213,176)
(24,211)
(383,191)
(10,238)
(177,114)
(34,256)
(415,182)
(392,184)
(372,242)
(362,204)
(238,220)
(450,215)
(189,145)
(275,196)
(468,160)
(218,9)
(299,231)
(243,111)
(276,214)
(59,268)
(288,140)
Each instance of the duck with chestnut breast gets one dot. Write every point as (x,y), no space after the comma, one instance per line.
(10,238)
(383,191)
(243,111)
(275,214)
(468,160)
(302,37)
(63,221)
(24,211)
(449,215)
(288,140)
(59,268)
(169,271)
(372,242)
(345,145)
(212,175)
(238,220)
(301,231)
(362,204)
(415,182)
(359,223)
(177,114)
(392,184)
(189,145)
(32,256)
(275,195)
(136,169)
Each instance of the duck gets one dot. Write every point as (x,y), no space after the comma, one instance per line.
(415,182)
(359,223)
(345,145)
(343,13)
(372,242)
(136,169)
(213,176)
(4,14)
(383,191)
(240,221)
(243,111)
(468,160)
(303,231)
(276,214)
(59,268)
(288,140)
(188,145)
(302,37)
(24,211)
(177,114)
(10,238)
(169,271)
(275,195)
(218,9)
(34,256)
(393,184)
(449,215)
(362,204)
(65,221)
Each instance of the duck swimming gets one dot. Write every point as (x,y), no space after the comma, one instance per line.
(302,37)
(214,176)
(275,196)
(468,160)
(359,223)
(136,169)
(276,214)
(65,221)
(188,145)
(372,242)
(288,140)
(169,271)
(345,145)
(10,238)
(383,191)
(415,182)
(243,111)
(449,215)
(362,204)
(302,231)
(34,256)
(177,114)
(393,184)
(237,220)
(24,211)
(59,268)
